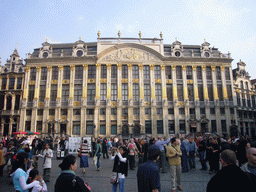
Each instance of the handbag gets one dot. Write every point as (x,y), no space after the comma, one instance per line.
(79,153)
(114,179)
(94,161)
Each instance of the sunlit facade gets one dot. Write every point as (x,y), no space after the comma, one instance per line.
(129,87)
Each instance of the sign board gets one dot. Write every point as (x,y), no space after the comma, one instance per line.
(75,143)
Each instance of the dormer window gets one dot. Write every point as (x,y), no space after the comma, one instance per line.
(177,54)
(79,53)
(207,54)
(45,54)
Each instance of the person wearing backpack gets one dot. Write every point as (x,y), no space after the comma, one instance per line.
(67,179)
(98,153)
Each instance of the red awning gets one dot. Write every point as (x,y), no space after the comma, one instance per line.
(193,125)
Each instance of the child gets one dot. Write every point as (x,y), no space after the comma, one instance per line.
(35,163)
(47,164)
(39,184)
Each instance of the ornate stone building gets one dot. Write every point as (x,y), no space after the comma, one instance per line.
(127,86)
(245,96)
(11,85)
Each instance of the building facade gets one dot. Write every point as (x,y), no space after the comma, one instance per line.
(11,86)
(245,95)
(129,87)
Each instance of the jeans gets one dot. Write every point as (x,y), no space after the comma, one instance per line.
(121,185)
(46,174)
(191,158)
(202,159)
(175,175)
(98,160)
(132,161)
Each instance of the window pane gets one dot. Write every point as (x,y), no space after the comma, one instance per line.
(124,91)
(113,129)
(65,93)
(146,74)
(91,91)
(66,72)
(113,91)
(43,73)
(158,92)
(157,72)
(114,71)
(148,127)
(103,91)
(91,72)
(78,92)
(103,71)
(103,129)
(160,129)
(55,71)
(136,92)
(168,72)
(79,72)
(124,72)
(76,128)
(178,72)
(135,72)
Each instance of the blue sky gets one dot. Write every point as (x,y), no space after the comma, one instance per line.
(227,24)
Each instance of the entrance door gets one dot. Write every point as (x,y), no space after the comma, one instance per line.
(204,127)
(6,129)
(136,130)
(125,130)
(63,129)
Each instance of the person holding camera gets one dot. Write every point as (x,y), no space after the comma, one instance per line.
(174,156)
(120,157)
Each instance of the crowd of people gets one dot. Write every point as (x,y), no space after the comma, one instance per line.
(150,156)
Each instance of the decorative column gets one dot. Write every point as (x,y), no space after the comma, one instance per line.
(71,100)
(24,100)
(84,101)
(175,100)
(142,105)
(15,83)
(108,103)
(130,98)
(10,126)
(164,102)
(97,102)
(7,82)
(225,97)
(186,100)
(153,100)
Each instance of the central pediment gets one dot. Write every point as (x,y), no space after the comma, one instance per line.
(129,54)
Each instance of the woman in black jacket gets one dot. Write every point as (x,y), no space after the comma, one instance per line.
(67,180)
(119,155)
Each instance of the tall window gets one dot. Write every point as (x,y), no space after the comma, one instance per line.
(218,73)
(146,72)
(158,92)
(91,91)
(169,92)
(66,72)
(210,92)
(243,100)
(214,126)
(223,126)
(135,72)
(79,72)
(11,83)
(147,92)
(53,93)
(246,86)
(136,92)
(190,92)
(189,72)
(124,91)
(168,72)
(157,72)
(103,71)
(17,102)
(241,85)
(220,93)
(103,91)
(227,74)
(103,129)
(91,72)
(160,129)
(229,90)
(32,73)
(76,128)
(31,93)
(178,72)
(180,92)
(124,71)
(201,92)
(89,127)
(42,93)
(55,73)
(148,127)
(43,73)
(199,72)
(4,83)
(65,93)
(113,71)
(208,73)
(182,127)
(19,83)
(113,129)
(113,91)
(78,92)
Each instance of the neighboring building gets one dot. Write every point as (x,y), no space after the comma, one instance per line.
(245,96)
(11,86)
(127,86)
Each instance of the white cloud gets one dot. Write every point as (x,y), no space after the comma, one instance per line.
(81,17)
(50,40)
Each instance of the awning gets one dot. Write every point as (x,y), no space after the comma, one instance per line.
(193,125)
